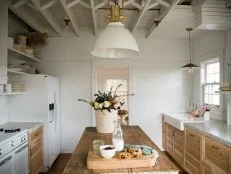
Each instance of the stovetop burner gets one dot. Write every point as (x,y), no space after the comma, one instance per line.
(12,130)
(1,129)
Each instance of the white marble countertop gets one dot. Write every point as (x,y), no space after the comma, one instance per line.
(214,129)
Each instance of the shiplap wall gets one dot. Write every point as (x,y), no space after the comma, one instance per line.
(158,83)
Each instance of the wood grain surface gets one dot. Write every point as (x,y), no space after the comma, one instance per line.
(132,135)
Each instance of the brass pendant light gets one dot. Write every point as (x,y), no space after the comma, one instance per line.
(190,66)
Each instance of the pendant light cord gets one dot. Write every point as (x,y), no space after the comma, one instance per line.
(190,52)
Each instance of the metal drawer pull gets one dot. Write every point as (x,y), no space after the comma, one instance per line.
(21,149)
(5,161)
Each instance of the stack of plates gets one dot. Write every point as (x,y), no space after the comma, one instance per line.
(18,65)
(17,88)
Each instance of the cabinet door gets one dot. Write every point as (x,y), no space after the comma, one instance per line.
(192,156)
(179,147)
(3,41)
(170,140)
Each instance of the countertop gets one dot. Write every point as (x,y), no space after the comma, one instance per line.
(132,135)
(24,127)
(214,129)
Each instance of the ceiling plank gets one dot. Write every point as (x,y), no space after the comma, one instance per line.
(73,3)
(49,4)
(94,16)
(49,17)
(162,2)
(29,4)
(139,16)
(28,19)
(71,16)
(161,17)
(19,3)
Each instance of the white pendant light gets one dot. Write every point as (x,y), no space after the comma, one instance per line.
(190,66)
(115,41)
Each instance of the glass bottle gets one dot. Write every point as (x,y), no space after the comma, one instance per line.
(117,136)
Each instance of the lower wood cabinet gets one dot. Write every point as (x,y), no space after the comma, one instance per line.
(175,144)
(192,152)
(216,156)
(35,150)
(164,134)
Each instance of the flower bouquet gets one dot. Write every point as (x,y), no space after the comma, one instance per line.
(106,106)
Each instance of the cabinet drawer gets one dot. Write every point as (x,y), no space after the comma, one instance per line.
(216,153)
(36,133)
(191,168)
(193,143)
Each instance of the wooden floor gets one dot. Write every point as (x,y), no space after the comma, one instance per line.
(59,164)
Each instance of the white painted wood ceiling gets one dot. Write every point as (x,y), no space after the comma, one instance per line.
(89,15)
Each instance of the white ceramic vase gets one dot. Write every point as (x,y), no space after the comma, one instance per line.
(206,115)
(105,120)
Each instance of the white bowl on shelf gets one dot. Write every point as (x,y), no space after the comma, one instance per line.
(107,153)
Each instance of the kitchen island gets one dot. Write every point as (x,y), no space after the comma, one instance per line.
(132,135)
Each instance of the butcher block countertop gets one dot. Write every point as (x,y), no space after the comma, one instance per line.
(132,135)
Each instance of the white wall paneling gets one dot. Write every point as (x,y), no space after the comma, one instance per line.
(158,83)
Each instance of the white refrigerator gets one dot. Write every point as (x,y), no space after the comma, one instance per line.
(39,103)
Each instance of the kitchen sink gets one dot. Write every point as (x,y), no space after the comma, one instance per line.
(177,120)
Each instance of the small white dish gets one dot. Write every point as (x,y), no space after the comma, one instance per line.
(107,151)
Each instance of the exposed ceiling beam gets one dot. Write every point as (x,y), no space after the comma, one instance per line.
(49,17)
(128,2)
(139,16)
(94,15)
(85,4)
(161,17)
(19,3)
(71,16)
(100,5)
(73,3)
(134,4)
(29,4)
(28,19)
(49,4)
(161,2)
(153,5)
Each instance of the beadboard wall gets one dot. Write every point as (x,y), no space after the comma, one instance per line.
(158,83)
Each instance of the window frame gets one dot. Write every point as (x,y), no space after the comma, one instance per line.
(204,83)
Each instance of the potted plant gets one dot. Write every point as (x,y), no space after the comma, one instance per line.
(206,110)
(106,106)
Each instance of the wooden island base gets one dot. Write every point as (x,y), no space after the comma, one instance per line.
(132,135)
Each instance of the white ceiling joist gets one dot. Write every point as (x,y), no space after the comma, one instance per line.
(71,16)
(161,2)
(49,17)
(19,3)
(160,18)
(73,3)
(100,5)
(29,4)
(136,5)
(28,19)
(128,2)
(48,5)
(153,5)
(139,16)
(85,4)
(94,16)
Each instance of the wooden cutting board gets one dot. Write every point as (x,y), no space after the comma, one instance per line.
(95,162)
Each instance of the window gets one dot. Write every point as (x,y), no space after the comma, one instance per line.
(211,82)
